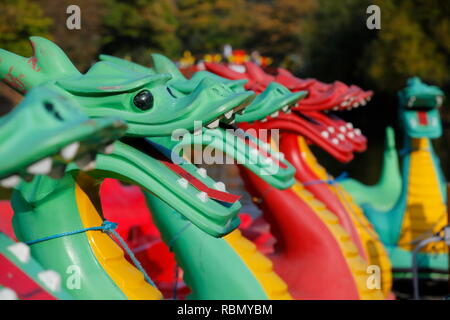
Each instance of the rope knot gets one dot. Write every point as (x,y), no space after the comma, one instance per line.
(108,226)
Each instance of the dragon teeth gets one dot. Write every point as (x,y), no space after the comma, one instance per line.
(8,294)
(358,131)
(69,152)
(335,141)
(219,185)
(202,172)
(51,279)
(439,101)
(342,128)
(264,120)
(363,102)
(341,136)
(335,108)
(10,182)
(285,108)
(325,134)
(203,196)
(349,125)
(43,166)
(183,183)
(275,114)
(21,251)
(213,124)
(351,135)
(108,149)
(229,114)
(330,129)
(289,111)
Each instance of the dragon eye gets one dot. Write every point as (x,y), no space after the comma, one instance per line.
(143,100)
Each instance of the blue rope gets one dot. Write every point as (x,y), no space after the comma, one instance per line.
(329,181)
(177,235)
(107,227)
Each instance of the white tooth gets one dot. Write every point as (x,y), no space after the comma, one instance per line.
(439,101)
(21,251)
(351,135)
(264,120)
(358,131)
(233,121)
(213,124)
(202,172)
(275,114)
(341,136)
(356,105)
(344,104)
(331,129)
(325,134)
(411,101)
(219,185)
(335,108)
(289,111)
(41,167)
(51,279)
(89,166)
(229,114)
(183,183)
(109,149)
(8,294)
(10,182)
(69,152)
(285,108)
(349,125)
(342,128)
(203,196)
(335,141)
(363,102)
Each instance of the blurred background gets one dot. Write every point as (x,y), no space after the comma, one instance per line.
(324,39)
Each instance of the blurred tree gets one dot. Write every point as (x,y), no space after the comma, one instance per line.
(276,29)
(205,26)
(414,41)
(134,28)
(21,19)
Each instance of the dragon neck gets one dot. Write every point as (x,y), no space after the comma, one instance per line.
(246,274)
(47,207)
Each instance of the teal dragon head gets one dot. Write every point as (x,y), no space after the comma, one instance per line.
(244,148)
(46,131)
(150,109)
(419,109)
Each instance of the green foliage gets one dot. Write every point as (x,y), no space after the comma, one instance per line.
(19,20)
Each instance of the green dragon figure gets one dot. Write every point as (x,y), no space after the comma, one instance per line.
(40,136)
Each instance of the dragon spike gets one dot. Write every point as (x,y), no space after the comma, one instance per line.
(127,64)
(162,64)
(48,62)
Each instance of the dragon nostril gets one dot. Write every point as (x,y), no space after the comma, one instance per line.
(51,109)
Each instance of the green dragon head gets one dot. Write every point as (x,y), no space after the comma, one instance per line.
(275,97)
(46,131)
(244,148)
(150,109)
(419,109)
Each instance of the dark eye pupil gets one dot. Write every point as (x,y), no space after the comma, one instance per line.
(143,100)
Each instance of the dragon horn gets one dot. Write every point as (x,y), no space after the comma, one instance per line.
(162,64)
(48,62)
